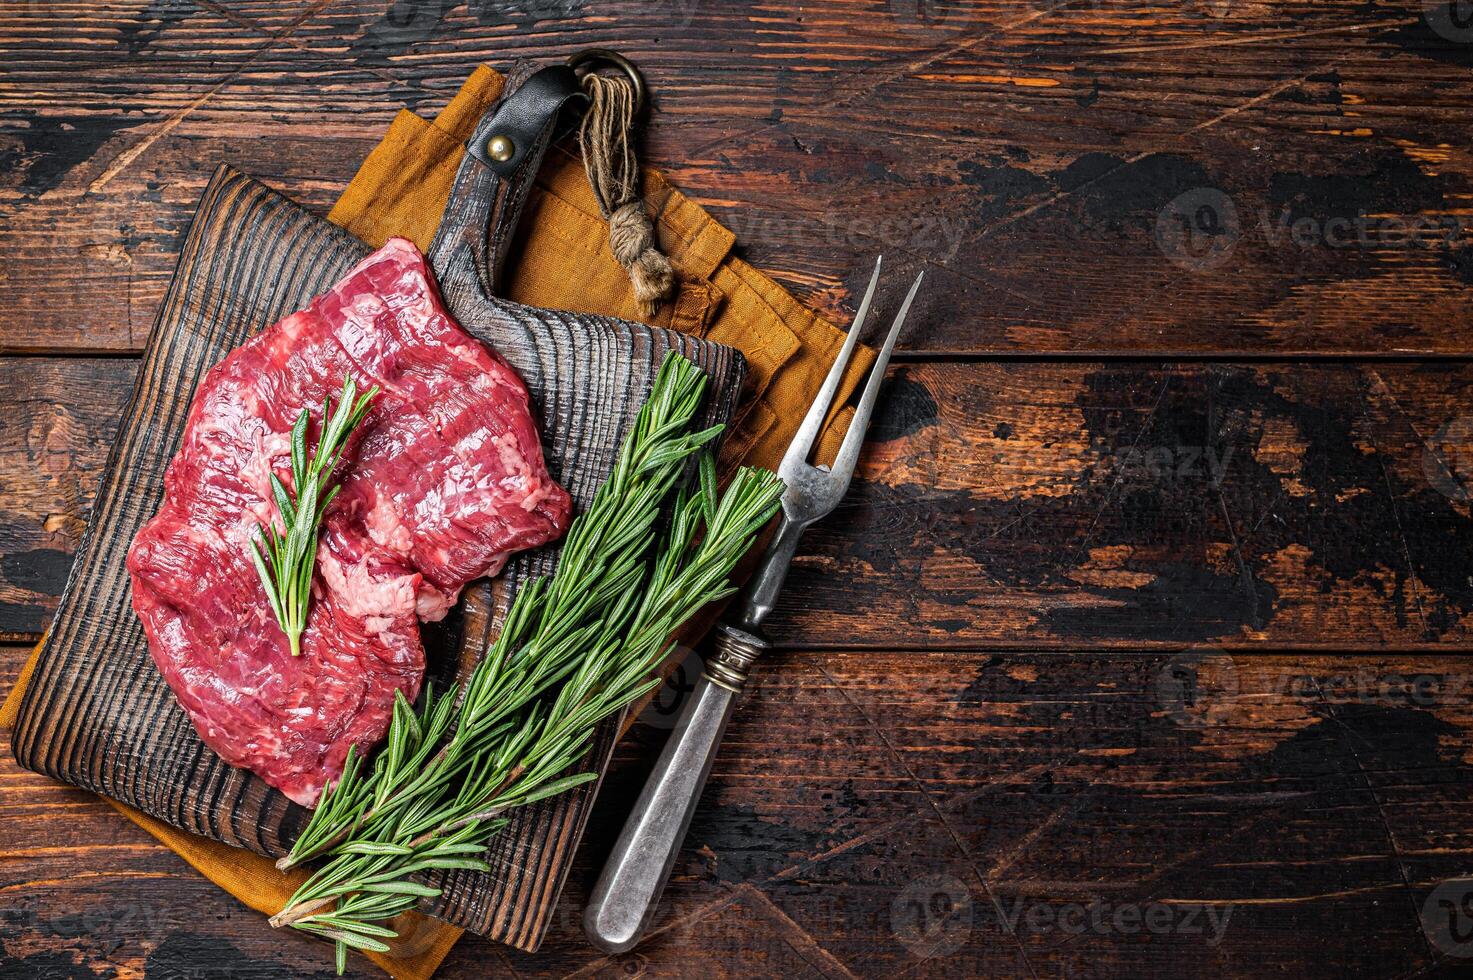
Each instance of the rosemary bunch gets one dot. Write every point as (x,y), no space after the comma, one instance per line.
(551,623)
(285,561)
(595,630)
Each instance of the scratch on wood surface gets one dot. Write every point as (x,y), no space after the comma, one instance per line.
(1264,38)
(1081,553)
(96,875)
(1413,583)
(1022,81)
(288,35)
(1161,870)
(1006,858)
(877,78)
(799,939)
(956,838)
(506,963)
(1285,899)
(44,852)
(126,157)
(885,830)
(1365,776)
(718,904)
(1377,383)
(1269,93)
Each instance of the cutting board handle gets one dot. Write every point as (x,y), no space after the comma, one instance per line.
(497,172)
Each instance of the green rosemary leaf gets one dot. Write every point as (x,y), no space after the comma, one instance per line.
(375,847)
(400,888)
(574,649)
(283,502)
(355,925)
(353,939)
(554,788)
(285,561)
(708,486)
(299,452)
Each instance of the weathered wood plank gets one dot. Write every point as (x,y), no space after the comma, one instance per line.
(1051,165)
(1126,504)
(1063,781)
(1032,154)
(1221,801)
(98,714)
(55,433)
(1015,504)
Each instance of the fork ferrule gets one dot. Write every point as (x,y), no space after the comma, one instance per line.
(736,651)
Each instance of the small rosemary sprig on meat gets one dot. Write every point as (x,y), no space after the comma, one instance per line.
(574,649)
(285,561)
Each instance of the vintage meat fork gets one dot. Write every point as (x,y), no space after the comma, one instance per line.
(628,890)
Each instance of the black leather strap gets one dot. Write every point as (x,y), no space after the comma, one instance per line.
(525,117)
(488,196)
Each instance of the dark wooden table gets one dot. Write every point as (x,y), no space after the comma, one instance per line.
(1142,645)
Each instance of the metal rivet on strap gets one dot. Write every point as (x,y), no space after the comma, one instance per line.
(500,148)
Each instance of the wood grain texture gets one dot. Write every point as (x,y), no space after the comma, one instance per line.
(98,714)
(1027,154)
(58,425)
(1318,797)
(1007,505)
(1047,163)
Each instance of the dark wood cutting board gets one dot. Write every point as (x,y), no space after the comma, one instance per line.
(98,714)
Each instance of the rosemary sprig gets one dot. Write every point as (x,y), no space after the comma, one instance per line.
(285,561)
(447,775)
(551,623)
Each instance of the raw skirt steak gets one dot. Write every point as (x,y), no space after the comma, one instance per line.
(444,480)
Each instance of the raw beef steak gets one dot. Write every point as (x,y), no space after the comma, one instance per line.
(443,482)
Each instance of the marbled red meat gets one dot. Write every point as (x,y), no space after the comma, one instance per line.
(441,483)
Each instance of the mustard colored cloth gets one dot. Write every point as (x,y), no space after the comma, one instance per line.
(561,260)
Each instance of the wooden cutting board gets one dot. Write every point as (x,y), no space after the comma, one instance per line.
(98,713)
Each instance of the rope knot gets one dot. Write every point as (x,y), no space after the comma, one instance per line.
(632,239)
(613,173)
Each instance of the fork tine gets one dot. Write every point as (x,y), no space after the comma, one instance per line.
(798,449)
(848,455)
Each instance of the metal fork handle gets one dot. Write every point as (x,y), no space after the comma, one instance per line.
(628,890)
(761,593)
